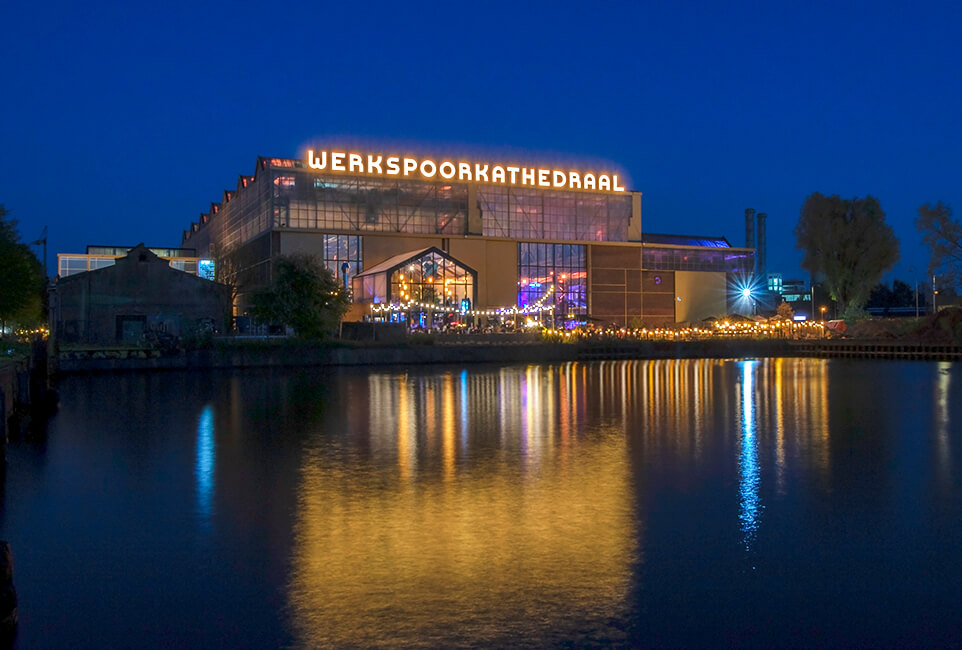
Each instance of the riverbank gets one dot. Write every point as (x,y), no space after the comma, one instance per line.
(24,390)
(505,349)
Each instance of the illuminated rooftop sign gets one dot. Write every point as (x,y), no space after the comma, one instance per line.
(460,171)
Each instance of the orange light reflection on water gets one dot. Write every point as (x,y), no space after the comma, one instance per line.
(491,506)
(439,544)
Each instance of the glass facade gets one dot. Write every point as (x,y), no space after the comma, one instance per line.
(72,264)
(562,266)
(432,279)
(187,266)
(340,250)
(286,194)
(664,258)
(514,212)
(120,251)
(436,288)
(307,200)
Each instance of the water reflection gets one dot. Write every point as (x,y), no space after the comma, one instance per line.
(500,538)
(750,505)
(943,421)
(478,507)
(204,465)
(555,505)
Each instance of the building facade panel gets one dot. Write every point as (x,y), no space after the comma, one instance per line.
(700,295)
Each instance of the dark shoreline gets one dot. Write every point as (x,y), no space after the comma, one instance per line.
(294,354)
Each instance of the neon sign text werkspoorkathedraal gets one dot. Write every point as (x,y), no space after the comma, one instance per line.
(407,167)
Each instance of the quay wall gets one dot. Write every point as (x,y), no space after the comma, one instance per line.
(294,355)
(291,354)
(25,393)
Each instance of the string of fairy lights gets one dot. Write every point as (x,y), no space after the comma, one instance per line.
(536,307)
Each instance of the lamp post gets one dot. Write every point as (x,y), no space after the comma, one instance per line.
(935,292)
(747,294)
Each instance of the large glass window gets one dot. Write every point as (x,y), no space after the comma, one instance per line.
(666,258)
(372,204)
(545,214)
(434,280)
(430,291)
(101,262)
(554,274)
(70,264)
(340,250)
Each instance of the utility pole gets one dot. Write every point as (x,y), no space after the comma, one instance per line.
(934,294)
(42,241)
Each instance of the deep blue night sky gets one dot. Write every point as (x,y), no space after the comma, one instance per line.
(120,123)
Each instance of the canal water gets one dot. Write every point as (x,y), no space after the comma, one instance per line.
(798,502)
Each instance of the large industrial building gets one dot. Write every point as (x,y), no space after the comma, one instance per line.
(416,237)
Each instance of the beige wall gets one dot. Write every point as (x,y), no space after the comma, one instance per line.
(377,248)
(702,294)
(497,265)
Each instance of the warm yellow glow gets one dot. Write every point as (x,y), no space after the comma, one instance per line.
(498,174)
(407,548)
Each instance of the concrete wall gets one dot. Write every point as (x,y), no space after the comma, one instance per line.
(702,294)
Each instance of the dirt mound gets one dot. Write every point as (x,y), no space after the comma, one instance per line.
(876,328)
(943,327)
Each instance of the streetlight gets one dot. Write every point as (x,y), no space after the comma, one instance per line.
(747,294)
(823,312)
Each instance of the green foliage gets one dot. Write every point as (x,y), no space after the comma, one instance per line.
(784,311)
(21,277)
(899,295)
(849,244)
(943,235)
(304,295)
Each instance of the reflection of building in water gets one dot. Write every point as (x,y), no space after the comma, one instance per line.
(749,501)
(204,466)
(509,495)
(511,535)
(673,403)
(942,422)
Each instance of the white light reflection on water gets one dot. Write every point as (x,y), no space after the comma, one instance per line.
(750,505)
(942,421)
(204,466)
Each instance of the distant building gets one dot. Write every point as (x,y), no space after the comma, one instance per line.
(98,257)
(799,296)
(774,283)
(138,294)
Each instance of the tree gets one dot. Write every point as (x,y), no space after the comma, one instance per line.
(900,295)
(21,277)
(943,235)
(304,295)
(227,270)
(849,244)
(784,311)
